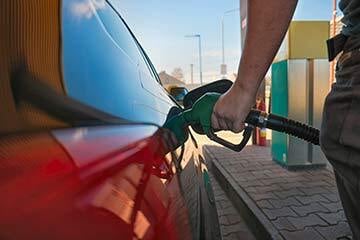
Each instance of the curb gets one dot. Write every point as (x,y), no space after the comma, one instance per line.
(261,227)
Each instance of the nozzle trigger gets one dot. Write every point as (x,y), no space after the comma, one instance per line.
(236,147)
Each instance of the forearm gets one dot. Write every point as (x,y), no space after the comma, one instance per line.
(267,24)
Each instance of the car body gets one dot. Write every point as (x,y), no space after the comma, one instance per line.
(82,151)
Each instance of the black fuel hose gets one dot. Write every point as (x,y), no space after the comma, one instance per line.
(281,124)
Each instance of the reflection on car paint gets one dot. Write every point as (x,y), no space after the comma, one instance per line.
(85,145)
(86,8)
(121,182)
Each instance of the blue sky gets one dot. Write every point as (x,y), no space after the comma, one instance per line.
(160,26)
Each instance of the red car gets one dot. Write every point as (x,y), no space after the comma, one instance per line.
(82,151)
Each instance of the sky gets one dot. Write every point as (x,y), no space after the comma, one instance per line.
(160,27)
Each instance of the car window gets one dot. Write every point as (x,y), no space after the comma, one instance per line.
(101,62)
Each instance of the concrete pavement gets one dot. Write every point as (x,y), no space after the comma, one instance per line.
(277,203)
(232,225)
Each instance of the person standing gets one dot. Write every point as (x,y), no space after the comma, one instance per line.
(268,22)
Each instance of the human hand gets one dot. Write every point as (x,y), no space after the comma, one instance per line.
(232,108)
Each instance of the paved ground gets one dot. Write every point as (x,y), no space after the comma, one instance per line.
(280,204)
(231,224)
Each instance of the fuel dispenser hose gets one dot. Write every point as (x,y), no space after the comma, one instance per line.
(284,125)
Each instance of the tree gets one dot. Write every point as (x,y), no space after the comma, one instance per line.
(178,73)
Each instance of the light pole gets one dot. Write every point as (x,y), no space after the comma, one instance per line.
(223,66)
(192,73)
(200,56)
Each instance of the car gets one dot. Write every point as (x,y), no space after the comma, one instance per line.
(83,154)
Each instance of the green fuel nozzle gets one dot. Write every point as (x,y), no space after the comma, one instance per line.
(201,111)
(200,114)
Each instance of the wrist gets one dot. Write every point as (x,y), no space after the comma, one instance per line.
(244,92)
(242,96)
(248,87)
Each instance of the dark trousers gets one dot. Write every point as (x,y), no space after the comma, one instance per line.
(340,135)
(350,200)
